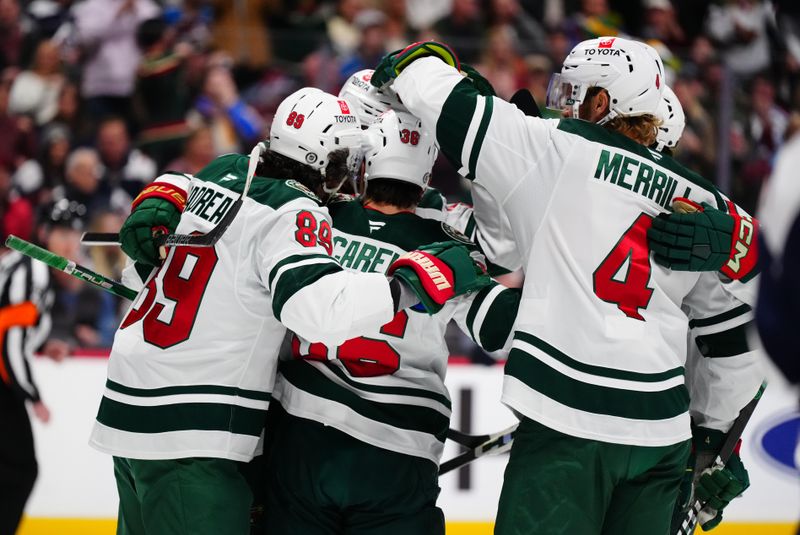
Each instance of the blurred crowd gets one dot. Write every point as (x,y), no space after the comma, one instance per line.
(98,96)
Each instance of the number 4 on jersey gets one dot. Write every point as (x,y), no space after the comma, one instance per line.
(630,293)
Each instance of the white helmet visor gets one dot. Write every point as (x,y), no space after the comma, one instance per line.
(560,95)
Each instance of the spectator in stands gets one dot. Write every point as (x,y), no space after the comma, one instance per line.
(661,24)
(501,63)
(233,123)
(15,35)
(36,91)
(697,149)
(162,92)
(343,33)
(17,137)
(240,32)
(78,307)
(106,32)
(764,128)
(372,44)
(463,29)
(16,212)
(529,35)
(740,29)
(397,33)
(595,19)
(84,183)
(55,146)
(126,168)
(197,152)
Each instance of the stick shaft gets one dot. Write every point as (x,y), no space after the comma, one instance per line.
(69,267)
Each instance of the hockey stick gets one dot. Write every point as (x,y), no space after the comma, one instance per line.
(69,267)
(192,240)
(479,446)
(697,513)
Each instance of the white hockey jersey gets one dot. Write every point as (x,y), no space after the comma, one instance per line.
(601,334)
(395,398)
(193,362)
(483,222)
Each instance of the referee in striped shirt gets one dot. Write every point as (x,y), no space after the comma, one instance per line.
(26,296)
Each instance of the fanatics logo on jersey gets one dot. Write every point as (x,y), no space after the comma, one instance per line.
(608,43)
(344,107)
(375,225)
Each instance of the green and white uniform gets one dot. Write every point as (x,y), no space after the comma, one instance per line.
(406,409)
(601,335)
(483,222)
(193,363)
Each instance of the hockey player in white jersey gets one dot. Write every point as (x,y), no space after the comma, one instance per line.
(355,446)
(481,222)
(596,370)
(708,371)
(193,363)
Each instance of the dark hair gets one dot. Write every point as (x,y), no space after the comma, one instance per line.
(399,194)
(150,32)
(276,165)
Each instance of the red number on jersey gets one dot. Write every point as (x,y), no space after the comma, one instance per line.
(306,234)
(363,357)
(185,277)
(631,292)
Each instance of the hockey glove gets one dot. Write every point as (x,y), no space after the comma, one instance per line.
(702,238)
(152,217)
(717,486)
(393,63)
(440,271)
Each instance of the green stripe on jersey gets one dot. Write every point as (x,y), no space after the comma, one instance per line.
(293,259)
(480,297)
(396,390)
(594,398)
(404,416)
(181,417)
(600,371)
(188,389)
(295,278)
(454,120)
(719,318)
(723,344)
(500,319)
(480,135)
(601,134)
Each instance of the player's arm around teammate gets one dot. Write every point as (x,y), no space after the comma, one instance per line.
(381,408)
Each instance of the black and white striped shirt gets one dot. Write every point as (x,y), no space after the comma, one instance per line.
(25,302)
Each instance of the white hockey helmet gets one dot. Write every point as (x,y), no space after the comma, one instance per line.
(673,120)
(366,100)
(400,148)
(310,124)
(632,75)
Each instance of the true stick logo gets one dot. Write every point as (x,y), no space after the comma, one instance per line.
(423,261)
